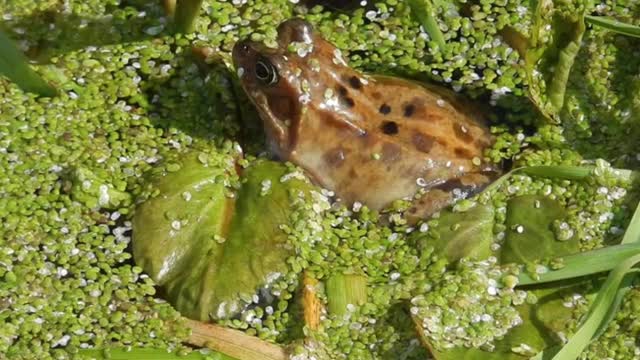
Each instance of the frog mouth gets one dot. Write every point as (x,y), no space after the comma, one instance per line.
(277,130)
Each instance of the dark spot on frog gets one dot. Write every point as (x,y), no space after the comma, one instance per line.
(347,101)
(352,173)
(409,109)
(355,83)
(389,127)
(390,152)
(463,153)
(334,157)
(376,95)
(422,142)
(385,109)
(462,133)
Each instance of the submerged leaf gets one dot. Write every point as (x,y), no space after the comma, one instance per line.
(548,315)
(525,340)
(598,313)
(466,234)
(211,246)
(15,66)
(530,235)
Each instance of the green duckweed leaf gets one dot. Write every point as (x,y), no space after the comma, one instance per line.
(212,246)
(530,235)
(94,190)
(15,66)
(463,234)
(525,340)
(548,315)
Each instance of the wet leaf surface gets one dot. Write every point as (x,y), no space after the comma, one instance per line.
(536,215)
(530,235)
(463,234)
(221,245)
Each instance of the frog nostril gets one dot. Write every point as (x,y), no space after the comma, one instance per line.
(242,47)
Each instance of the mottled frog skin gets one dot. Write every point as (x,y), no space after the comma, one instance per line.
(369,139)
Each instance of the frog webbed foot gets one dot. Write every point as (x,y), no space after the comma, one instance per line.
(446,194)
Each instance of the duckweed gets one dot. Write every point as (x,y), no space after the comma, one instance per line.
(133,98)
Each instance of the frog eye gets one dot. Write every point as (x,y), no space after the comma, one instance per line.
(266,72)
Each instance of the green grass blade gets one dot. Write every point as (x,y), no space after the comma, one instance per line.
(585,263)
(424,11)
(148,354)
(594,261)
(597,314)
(632,234)
(15,66)
(614,25)
(560,171)
(607,301)
(186,12)
(617,301)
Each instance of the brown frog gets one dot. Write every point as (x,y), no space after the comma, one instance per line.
(369,139)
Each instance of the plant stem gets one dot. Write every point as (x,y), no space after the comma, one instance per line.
(233,342)
(344,290)
(186,12)
(311,303)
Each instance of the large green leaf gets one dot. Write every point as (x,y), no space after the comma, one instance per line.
(461,234)
(530,235)
(212,246)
